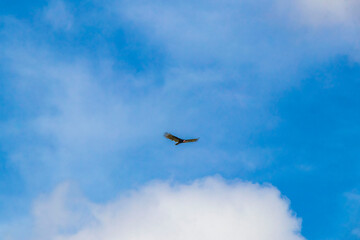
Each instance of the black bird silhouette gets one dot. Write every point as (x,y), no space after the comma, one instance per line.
(179,140)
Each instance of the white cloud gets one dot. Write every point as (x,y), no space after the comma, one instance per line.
(209,208)
(81,122)
(353,210)
(86,113)
(63,211)
(329,27)
(197,33)
(250,35)
(329,12)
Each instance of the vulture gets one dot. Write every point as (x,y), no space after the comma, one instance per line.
(179,140)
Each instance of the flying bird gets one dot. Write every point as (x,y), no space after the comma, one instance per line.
(179,140)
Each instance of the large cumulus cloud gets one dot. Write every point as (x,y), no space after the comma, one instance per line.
(209,208)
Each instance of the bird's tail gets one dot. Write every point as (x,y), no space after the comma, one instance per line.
(177,143)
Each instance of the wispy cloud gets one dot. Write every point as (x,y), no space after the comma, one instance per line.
(88,112)
(353,210)
(58,15)
(322,13)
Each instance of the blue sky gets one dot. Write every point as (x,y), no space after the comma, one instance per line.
(89,88)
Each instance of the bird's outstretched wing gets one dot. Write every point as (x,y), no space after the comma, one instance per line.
(172,137)
(192,140)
